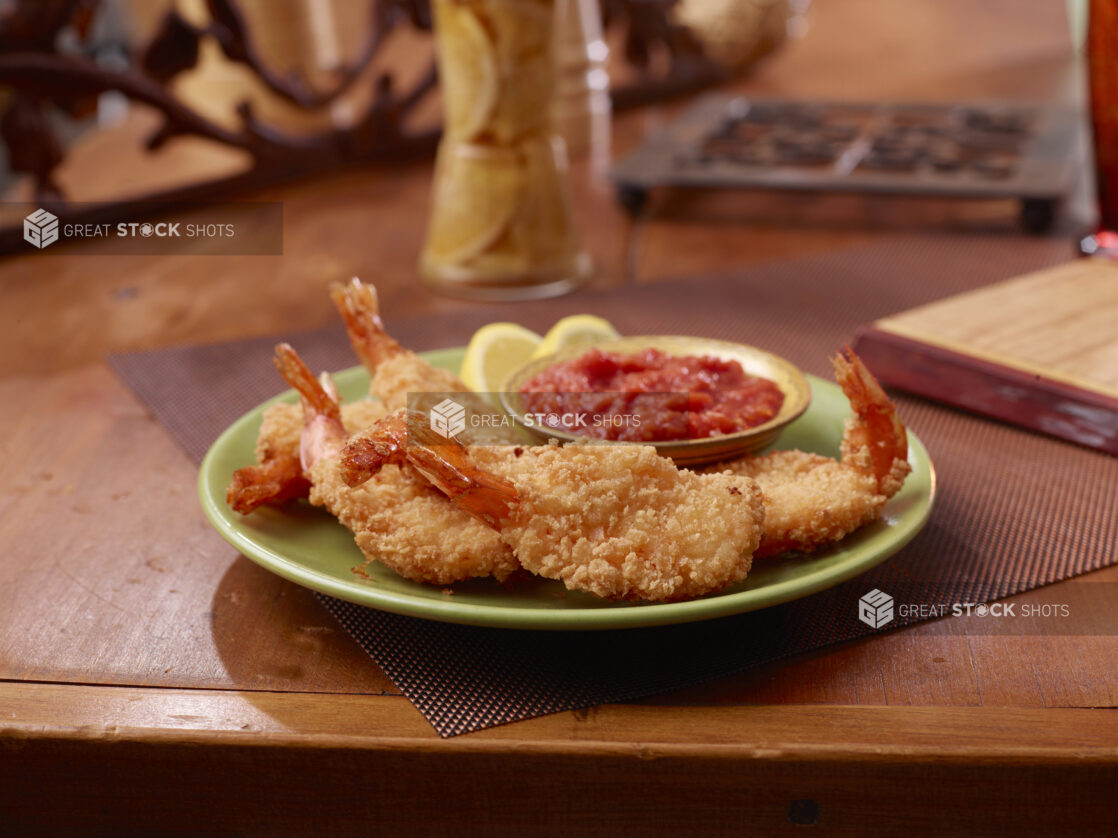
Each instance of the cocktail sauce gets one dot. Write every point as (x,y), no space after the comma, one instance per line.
(650,396)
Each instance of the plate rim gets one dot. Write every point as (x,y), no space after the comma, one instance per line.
(629,615)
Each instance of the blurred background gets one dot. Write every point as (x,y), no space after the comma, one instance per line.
(296,69)
(214,89)
(332,108)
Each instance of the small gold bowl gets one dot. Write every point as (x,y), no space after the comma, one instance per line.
(786,376)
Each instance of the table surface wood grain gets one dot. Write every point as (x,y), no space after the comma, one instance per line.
(164,677)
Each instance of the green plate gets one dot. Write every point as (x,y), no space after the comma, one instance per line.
(306,545)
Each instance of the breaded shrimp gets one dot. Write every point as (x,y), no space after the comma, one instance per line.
(444,464)
(281,426)
(395,373)
(618,521)
(393,370)
(811,500)
(277,477)
(397,518)
(282,472)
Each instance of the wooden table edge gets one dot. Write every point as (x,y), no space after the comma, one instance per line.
(807,733)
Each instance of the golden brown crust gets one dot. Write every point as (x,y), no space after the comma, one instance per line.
(621,522)
(282,426)
(398,519)
(406,373)
(810,500)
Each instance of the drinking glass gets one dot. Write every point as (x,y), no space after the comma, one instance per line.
(502,223)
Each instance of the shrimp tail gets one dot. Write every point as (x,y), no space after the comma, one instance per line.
(281,475)
(357,304)
(875,440)
(369,451)
(309,388)
(273,481)
(323,431)
(445,463)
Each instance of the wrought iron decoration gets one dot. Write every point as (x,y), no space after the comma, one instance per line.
(40,77)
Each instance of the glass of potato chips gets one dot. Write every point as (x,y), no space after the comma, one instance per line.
(501,223)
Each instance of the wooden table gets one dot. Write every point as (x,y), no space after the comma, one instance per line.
(153,681)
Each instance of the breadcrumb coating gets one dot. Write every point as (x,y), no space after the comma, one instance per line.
(810,500)
(282,426)
(624,523)
(405,373)
(398,519)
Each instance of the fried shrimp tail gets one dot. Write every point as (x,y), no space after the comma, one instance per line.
(445,463)
(281,473)
(811,500)
(366,453)
(360,310)
(875,428)
(323,431)
(276,480)
(394,371)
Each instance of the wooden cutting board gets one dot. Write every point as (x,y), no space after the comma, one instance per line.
(1040,351)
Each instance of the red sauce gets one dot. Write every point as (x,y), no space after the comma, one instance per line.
(649,397)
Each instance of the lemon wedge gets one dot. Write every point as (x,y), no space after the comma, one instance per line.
(578,328)
(526,63)
(477,191)
(468,72)
(494,353)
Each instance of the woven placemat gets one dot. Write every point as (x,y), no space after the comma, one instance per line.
(1014,511)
